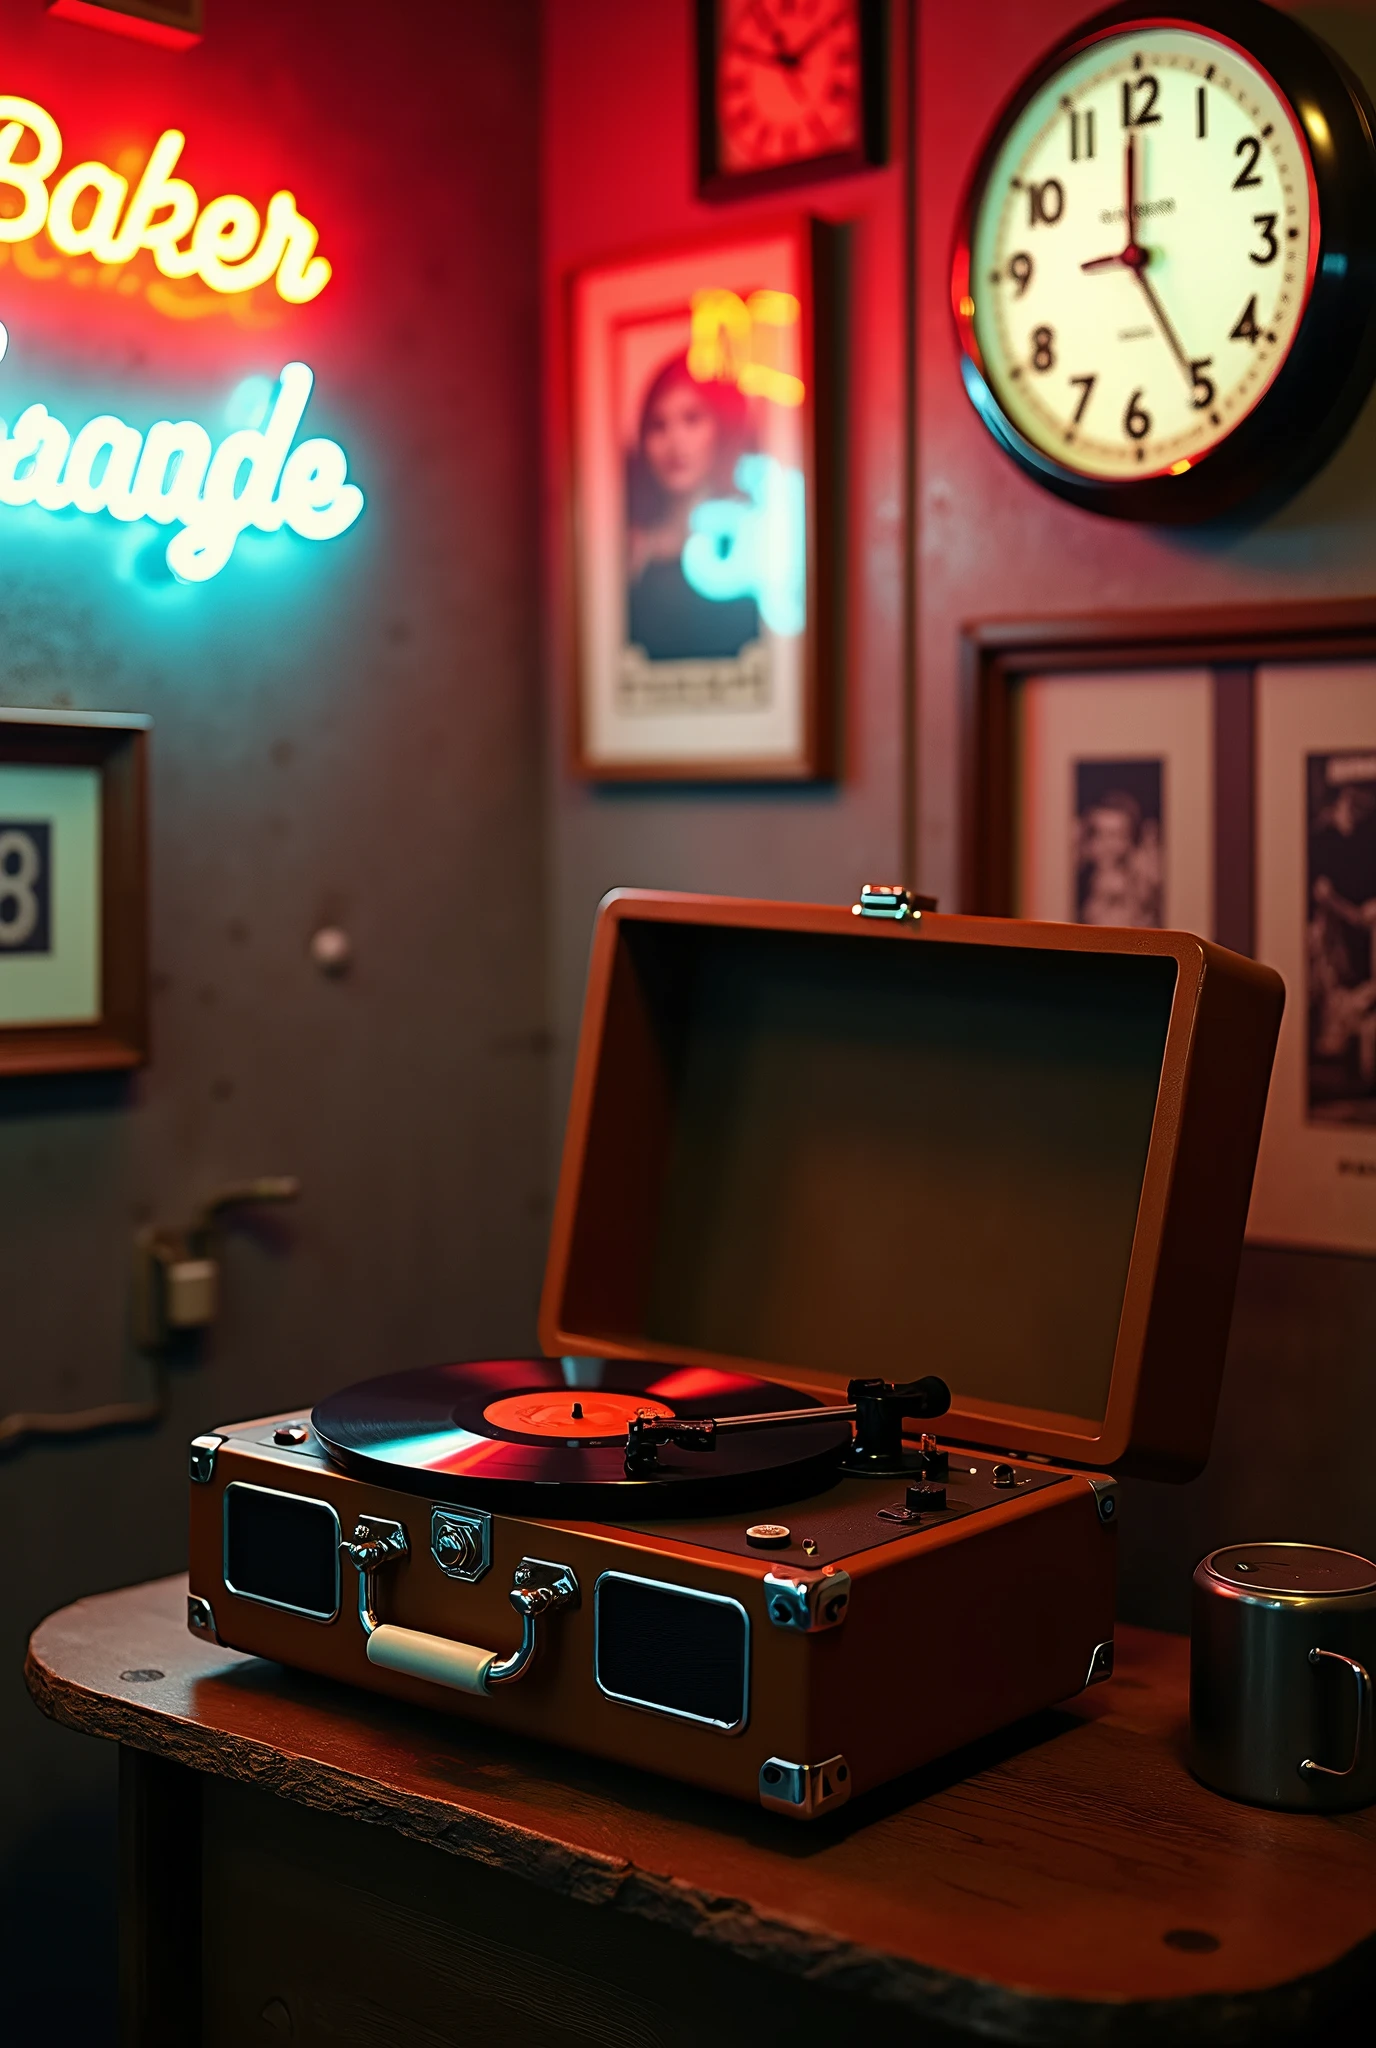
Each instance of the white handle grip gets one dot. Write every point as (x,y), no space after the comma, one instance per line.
(462,1666)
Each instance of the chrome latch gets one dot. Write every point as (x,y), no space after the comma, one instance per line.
(461,1542)
(804,1790)
(892,901)
(1105,1493)
(200,1618)
(807,1605)
(201,1458)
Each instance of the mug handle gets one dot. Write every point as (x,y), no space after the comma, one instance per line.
(1359,1671)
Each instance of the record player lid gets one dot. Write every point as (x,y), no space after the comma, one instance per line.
(815,1146)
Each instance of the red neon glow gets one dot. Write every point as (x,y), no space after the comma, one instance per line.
(144,28)
(92,210)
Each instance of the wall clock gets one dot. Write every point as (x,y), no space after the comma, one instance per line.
(788,91)
(1165,273)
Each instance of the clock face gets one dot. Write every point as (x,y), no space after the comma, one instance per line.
(1141,253)
(788,82)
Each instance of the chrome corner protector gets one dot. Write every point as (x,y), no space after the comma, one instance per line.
(461,1542)
(1105,1491)
(200,1618)
(1100,1664)
(201,1458)
(804,1790)
(807,1605)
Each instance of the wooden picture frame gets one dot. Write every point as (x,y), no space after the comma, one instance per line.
(871,149)
(1317,1168)
(704,597)
(80,778)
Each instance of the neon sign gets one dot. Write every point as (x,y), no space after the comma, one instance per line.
(754,546)
(91,211)
(172,474)
(739,341)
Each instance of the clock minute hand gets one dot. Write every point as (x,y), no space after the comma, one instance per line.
(1139,271)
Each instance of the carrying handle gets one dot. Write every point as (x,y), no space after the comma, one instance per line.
(537,1588)
(1309,1769)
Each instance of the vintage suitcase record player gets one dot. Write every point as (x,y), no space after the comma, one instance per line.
(883,1241)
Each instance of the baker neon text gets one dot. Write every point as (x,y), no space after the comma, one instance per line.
(172,474)
(91,211)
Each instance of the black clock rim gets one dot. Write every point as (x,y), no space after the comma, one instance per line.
(1297,424)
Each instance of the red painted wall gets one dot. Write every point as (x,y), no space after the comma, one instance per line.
(619,146)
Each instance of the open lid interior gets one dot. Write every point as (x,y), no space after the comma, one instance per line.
(818,1158)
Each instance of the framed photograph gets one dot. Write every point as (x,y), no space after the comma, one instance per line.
(788,90)
(702,587)
(1113,799)
(1316,923)
(73,891)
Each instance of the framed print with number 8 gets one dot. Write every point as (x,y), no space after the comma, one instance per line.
(73,919)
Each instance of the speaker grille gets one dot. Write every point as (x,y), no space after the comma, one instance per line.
(673,1650)
(282,1549)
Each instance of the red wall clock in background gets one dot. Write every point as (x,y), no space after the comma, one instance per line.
(788,90)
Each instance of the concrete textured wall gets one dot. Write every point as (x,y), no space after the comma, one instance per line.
(344,733)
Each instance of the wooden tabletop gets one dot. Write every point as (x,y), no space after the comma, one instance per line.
(1065,1882)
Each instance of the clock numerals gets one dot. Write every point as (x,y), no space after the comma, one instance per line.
(1020,270)
(1139,101)
(1082,141)
(1247,328)
(1250,148)
(1045,203)
(1086,389)
(1201,114)
(1267,224)
(1136,420)
(1043,348)
(1204,393)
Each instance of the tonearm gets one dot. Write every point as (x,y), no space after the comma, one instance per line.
(876,1407)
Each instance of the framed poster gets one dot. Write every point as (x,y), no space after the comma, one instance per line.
(1316,923)
(73,886)
(702,602)
(1113,799)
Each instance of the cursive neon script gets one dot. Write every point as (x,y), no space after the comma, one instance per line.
(173,475)
(91,211)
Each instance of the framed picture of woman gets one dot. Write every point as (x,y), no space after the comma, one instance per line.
(701,603)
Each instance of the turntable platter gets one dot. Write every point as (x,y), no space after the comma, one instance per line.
(547,1436)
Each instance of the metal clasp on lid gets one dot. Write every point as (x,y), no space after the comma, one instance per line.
(892,901)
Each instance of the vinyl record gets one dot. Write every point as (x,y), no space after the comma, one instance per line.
(547,1436)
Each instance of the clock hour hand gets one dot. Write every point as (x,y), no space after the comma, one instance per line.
(1114,262)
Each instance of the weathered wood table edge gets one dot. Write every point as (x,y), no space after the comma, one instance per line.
(92,1667)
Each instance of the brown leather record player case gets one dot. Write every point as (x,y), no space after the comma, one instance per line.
(818,1146)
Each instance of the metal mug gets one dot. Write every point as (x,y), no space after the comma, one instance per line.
(1282,1648)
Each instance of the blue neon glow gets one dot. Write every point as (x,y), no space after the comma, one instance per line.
(754,546)
(172,474)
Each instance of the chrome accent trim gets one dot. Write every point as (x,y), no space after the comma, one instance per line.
(804,1790)
(375,1542)
(1100,1664)
(301,1499)
(807,1605)
(200,1618)
(890,900)
(1308,1767)
(201,1458)
(461,1542)
(538,1587)
(1105,1493)
(655,1706)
